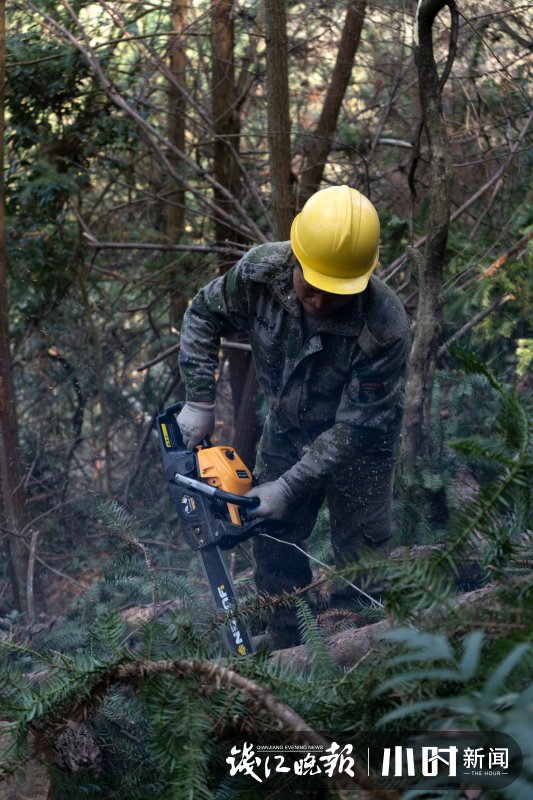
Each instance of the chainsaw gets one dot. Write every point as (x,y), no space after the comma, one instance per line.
(207,487)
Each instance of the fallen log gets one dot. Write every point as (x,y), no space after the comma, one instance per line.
(351,645)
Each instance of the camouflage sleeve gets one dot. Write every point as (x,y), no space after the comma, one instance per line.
(219,309)
(370,406)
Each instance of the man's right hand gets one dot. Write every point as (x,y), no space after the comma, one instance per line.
(275,498)
(196,421)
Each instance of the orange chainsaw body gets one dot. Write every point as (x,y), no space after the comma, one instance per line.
(223,468)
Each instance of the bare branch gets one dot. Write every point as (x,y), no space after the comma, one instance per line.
(396,265)
(180,248)
(474,321)
(318,147)
(153,137)
(452,48)
(423,358)
(506,256)
(161,357)
(396,143)
(30,604)
(175,347)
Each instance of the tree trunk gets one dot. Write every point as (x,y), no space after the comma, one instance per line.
(12,494)
(318,146)
(247,427)
(423,358)
(100,365)
(279,128)
(226,129)
(174,211)
(226,123)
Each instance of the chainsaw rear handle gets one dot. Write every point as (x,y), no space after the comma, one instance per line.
(237,499)
(218,494)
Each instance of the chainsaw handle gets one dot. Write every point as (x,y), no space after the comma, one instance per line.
(237,499)
(218,494)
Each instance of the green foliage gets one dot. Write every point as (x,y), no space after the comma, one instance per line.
(395,231)
(502,507)
(354,139)
(496,338)
(480,697)
(494,524)
(170,735)
(179,720)
(311,636)
(319,543)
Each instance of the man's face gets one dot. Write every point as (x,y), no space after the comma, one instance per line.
(315,301)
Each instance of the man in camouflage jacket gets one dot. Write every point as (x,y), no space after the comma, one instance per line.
(331,367)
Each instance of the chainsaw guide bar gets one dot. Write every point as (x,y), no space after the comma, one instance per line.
(207,487)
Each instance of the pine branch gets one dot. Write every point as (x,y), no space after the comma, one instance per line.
(120,523)
(215,675)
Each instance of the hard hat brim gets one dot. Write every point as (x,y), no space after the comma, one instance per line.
(336,285)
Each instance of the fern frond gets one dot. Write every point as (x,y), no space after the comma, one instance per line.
(312,637)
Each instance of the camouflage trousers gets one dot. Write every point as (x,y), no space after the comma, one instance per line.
(359,499)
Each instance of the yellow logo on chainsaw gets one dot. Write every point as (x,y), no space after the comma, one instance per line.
(234,628)
(166,437)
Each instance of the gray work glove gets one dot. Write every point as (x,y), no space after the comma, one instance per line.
(196,420)
(275,498)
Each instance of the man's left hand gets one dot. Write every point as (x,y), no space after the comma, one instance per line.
(275,498)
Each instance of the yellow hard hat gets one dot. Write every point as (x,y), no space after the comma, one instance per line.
(335,238)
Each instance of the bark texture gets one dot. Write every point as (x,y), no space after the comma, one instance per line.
(226,126)
(175,207)
(423,358)
(279,128)
(174,210)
